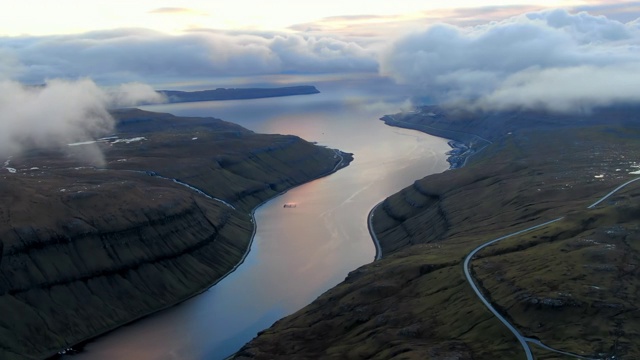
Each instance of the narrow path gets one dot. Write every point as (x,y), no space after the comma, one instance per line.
(467,274)
(611,193)
(150,173)
(566,353)
(376,242)
(338,155)
(156,175)
(524,341)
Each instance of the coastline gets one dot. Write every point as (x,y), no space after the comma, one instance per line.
(464,145)
(463,148)
(418,289)
(78,347)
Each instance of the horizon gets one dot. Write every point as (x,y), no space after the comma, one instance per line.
(492,55)
(66,17)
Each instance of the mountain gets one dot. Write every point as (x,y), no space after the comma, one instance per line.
(88,248)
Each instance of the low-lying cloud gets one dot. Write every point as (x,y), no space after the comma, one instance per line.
(552,59)
(125,55)
(131,94)
(61,112)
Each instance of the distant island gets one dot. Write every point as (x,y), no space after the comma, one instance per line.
(174,96)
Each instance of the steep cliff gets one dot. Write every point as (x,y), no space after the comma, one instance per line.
(88,248)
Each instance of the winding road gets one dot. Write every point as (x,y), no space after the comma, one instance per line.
(374,237)
(524,341)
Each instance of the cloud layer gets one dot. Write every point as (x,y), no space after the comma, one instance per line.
(551,59)
(61,112)
(143,55)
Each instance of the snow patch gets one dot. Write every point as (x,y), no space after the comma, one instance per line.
(195,138)
(12,170)
(599,176)
(82,143)
(128,141)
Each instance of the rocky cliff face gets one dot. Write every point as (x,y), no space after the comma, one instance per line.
(88,248)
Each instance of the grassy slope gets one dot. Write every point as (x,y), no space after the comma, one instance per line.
(86,249)
(415,302)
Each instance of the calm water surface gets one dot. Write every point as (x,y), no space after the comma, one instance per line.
(298,253)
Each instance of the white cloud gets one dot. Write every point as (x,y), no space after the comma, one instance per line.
(59,113)
(550,59)
(130,94)
(517,62)
(124,55)
(578,88)
(68,111)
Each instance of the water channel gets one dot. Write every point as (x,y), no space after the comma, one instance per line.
(298,253)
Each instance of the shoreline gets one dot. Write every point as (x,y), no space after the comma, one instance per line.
(461,152)
(464,145)
(78,347)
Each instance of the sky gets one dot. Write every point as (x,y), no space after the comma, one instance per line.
(564,56)
(157,42)
(37,17)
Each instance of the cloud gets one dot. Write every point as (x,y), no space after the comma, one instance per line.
(9,64)
(368,29)
(550,59)
(130,94)
(140,55)
(623,11)
(578,88)
(478,15)
(172,10)
(361,17)
(60,112)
